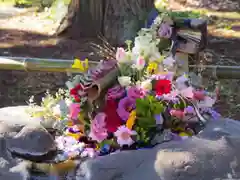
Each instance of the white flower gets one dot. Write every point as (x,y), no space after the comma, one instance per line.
(123,135)
(147,85)
(158,20)
(68,102)
(155,56)
(124,81)
(169,61)
(144,45)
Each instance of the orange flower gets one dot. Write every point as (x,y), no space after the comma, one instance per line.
(131,120)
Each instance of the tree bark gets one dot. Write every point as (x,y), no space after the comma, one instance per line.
(117,20)
(123,18)
(69,19)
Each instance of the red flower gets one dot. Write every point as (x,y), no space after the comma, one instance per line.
(113,121)
(75,92)
(163,86)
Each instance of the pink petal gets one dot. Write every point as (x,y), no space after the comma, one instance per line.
(188,92)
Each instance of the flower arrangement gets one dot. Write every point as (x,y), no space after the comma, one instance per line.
(124,103)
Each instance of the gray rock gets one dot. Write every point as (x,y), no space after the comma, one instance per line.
(213,154)
(201,159)
(215,129)
(11,168)
(17,116)
(12,120)
(31,138)
(32,141)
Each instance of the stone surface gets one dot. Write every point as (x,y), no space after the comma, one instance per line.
(10,168)
(32,141)
(212,155)
(12,120)
(16,116)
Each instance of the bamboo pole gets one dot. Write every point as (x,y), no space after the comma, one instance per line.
(40,64)
(65,65)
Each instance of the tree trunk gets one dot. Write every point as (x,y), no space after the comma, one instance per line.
(123,18)
(69,19)
(117,20)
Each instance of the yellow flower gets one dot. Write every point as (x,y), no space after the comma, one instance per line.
(70,123)
(81,65)
(131,120)
(152,68)
(75,135)
(183,134)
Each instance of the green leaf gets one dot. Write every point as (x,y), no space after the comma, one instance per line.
(158,108)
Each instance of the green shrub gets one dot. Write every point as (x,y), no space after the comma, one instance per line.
(33,3)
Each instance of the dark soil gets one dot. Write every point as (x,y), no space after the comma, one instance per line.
(17,87)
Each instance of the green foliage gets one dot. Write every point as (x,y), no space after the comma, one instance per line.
(142,136)
(184,14)
(58,9)
(181,104)
(45,110)
(31,3)
(146,108)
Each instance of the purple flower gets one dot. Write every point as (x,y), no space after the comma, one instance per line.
(189,110)
(215,115)
(168,76)
(134,93)
(165,31)
(159,119)
(125,106)
(115,93)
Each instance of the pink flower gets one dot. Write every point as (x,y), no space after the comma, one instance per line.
(187,92)
(120,54)
(172,96)
(140,63)
(199,95)
(177,113)
(74,111)
(134,93)
(98,131)
(123,135)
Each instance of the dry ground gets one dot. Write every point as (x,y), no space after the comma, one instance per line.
(29,35)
